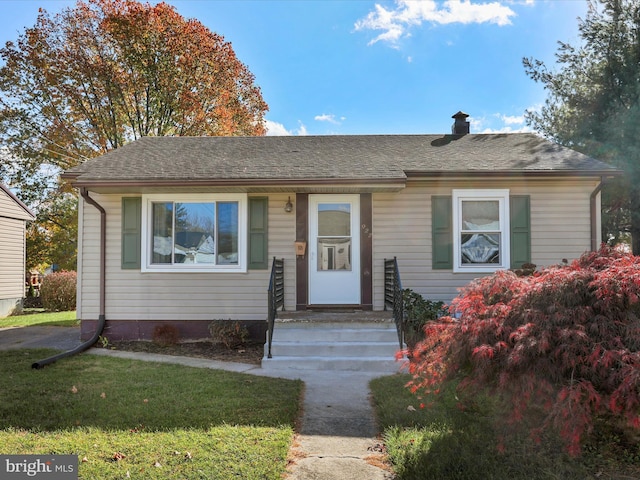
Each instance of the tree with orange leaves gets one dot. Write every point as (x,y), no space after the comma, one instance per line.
(94,77)
(103,73)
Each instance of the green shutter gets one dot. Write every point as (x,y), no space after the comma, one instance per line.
(520,220)
(131,225)
(258,223)
(442,232)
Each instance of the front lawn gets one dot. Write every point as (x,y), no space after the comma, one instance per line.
(446,441)
(39,317)
(134,419)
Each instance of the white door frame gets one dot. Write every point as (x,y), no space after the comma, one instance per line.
(334,272)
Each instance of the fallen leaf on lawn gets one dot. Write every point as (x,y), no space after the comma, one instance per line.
(84,459)
(411,408)
(187,455)
(157,465)
(117,456)
(74,389)
(103,395)
(146,400)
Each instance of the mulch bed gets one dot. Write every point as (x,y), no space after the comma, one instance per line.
(250,353)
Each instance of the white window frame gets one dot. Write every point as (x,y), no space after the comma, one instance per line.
(147,229)
(502,197)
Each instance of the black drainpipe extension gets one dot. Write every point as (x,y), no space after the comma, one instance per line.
(594,216)
(101,318)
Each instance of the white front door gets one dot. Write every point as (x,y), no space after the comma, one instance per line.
(334,249)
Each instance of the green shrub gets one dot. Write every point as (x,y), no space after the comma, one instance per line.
(229,333)
(58,291)
(418,312)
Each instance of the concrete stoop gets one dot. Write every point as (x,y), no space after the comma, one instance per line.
(337,344)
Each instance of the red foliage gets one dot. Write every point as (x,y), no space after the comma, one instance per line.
(565,340)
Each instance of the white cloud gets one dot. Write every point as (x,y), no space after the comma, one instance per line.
(513,120)
(278,129)
(500,123)
(395,22)
(326,118)
(507,129)
(302,130)
(330,118)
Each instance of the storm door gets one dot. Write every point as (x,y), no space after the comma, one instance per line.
(334,249)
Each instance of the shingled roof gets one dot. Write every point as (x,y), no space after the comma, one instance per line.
(360,159)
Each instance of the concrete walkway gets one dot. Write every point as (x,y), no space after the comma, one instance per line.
(337,438)
(338,434)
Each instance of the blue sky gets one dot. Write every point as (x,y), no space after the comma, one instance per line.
(378,67)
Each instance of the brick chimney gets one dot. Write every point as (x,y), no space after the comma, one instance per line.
(460,126)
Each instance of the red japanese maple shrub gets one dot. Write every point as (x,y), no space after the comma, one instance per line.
(564,341)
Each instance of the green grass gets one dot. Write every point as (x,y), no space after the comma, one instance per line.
(444,441)
(160,421)
(33,317)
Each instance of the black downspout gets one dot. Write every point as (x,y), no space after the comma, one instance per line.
(101,318)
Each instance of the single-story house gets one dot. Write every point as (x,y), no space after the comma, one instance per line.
(182,230)
(14,216)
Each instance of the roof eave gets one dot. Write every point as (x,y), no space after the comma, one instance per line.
(19,202)
(378,183)
(70,175)
(513,173)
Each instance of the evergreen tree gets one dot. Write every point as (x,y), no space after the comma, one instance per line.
(593,105)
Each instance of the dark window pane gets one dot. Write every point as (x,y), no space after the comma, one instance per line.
(227,233)
(334,219)
(334,253)
(480,248)
(162,232)
(195,233)
(194,240)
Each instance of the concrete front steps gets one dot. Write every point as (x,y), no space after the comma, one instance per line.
(357,341)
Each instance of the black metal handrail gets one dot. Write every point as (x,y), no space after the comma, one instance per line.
(393,295)
(275,297)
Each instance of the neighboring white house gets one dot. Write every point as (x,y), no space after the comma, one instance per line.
(182,230)
(14,216)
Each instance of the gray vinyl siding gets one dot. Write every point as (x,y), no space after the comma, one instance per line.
(132,295)
(13,220)
(10,209)
(401,227)
(12,258)
(560,229)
